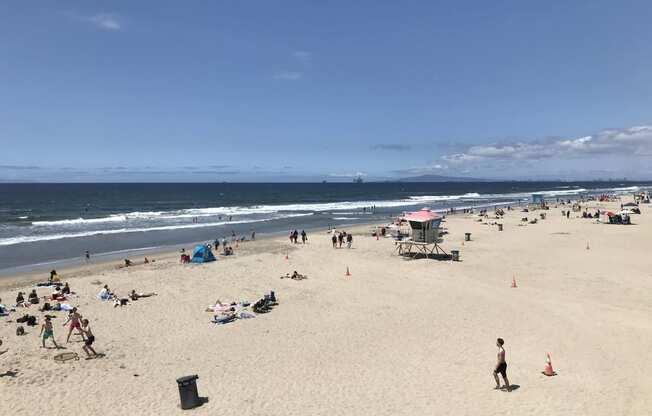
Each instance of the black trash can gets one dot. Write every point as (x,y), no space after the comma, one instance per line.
(188,392)
(455,255)
(467,236)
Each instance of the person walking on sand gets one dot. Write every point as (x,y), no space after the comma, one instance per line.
(349,240)
(90,338)
(75,323)
(501,366)
(304,236)
(87,254)
(334,240)
(47,331)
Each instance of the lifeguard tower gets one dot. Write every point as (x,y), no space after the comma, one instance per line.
(424,230)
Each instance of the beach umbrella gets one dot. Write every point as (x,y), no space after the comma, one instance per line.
(625,212)
(630,204)
(610,214)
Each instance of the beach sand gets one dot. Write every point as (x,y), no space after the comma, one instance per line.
(396,337)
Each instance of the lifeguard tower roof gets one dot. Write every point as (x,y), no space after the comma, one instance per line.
(422,215)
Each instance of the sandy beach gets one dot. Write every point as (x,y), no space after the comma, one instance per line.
(398,336)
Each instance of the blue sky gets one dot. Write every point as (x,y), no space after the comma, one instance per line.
(307,90)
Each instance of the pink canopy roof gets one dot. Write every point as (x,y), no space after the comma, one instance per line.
(422,216)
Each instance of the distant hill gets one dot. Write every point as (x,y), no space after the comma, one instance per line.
(439,178)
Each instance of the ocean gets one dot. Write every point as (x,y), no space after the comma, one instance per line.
(50,224)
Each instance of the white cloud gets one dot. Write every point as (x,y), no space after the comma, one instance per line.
(303,55)
(105,21)
(629,141)
(288,75)
(422,170)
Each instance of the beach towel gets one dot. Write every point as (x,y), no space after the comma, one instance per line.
(104,296)
(65,307)
(217,319)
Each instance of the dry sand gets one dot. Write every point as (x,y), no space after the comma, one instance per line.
(397,337)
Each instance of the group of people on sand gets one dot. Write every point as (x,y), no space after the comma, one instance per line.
(294,236)
(75,321)
(339,238)
(59,293)
(107,295)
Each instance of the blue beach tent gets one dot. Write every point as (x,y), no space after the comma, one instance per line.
(202,254)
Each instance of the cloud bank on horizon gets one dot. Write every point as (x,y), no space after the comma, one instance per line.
(633,141)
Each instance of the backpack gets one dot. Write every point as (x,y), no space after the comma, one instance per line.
(22,319)
(20,330)
(46,307)
(31,320)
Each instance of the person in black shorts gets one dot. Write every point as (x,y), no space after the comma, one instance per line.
(501,365)
(90,338)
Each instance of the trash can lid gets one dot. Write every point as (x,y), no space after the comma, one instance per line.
(186,379)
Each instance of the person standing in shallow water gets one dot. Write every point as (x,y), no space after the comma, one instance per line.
(501,365)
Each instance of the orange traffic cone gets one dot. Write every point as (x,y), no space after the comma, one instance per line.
(547,370)
(514,282)
(347,271)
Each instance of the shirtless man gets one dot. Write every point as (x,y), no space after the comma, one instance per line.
(90,338)
(47,331)
(501,366)
(75,323)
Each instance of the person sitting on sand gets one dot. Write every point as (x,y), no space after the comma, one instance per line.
(20,301)
(66,289)
(74,318)
(57,294)
(135,296)
(501,365)
(90,338)
(105,293)
(3,309)
(127,262)
(54,277)
(47,331)
(33,297)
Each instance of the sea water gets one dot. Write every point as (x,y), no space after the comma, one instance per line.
(47,223)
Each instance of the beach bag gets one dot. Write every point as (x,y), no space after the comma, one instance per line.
(46,307)
(31,320)
(22,319)
(20,331)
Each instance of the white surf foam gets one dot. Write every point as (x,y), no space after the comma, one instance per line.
(35,238)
